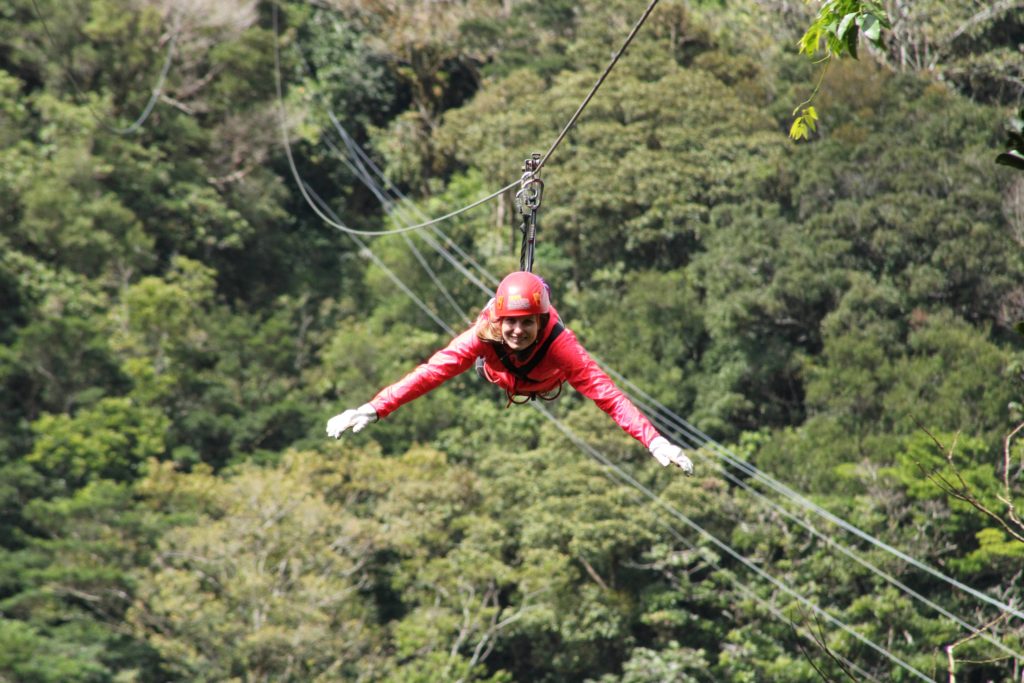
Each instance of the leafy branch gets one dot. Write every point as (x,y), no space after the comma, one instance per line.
(958,488)
(836,31)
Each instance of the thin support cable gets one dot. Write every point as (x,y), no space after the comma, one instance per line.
(433,277)
(157,89)
(721,545)
(724,453)
(800,629)
(302,186)
(828,540)
(360,172)
(391,275)
(454,246)
(155,93)
(388,203)
(358,155)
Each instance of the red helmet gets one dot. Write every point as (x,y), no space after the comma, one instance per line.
(521,294)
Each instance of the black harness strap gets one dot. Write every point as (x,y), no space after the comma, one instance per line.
(523,371)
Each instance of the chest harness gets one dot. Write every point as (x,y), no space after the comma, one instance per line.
(522,372)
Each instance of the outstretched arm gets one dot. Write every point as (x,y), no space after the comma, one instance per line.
(590,380)
(450,361)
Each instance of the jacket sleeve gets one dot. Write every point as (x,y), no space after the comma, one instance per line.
(450,361)
(590,380)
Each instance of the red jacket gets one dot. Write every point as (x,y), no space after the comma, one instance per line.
(565,361)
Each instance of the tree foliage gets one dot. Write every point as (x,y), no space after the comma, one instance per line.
(176,325)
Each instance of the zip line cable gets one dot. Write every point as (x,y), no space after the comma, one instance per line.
(397,201)
(800,629)
(400,204)
(357,162)
(739,585)
(689,440)
(359,171)
(729,550)
(433,278)
(354,148)
(376,259)
(392,207)
(156,92)
(593,90)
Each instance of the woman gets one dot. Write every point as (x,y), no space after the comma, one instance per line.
(518,343)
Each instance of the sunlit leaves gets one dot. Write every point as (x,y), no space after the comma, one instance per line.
(838,24)
(804,124)
(111,440)
(268,580)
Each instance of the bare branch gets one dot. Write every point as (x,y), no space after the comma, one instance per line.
(949,648)
(962,491)
(984,15)
(592,572)
(821,640)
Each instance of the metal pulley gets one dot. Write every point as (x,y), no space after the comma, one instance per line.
(528,199)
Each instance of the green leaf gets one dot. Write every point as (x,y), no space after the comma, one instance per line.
(1012,158)
(798,129)
(811,118)
(872,28)
(844,25)
(808,44)
(851,42)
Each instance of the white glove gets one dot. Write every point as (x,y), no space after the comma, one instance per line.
(354,418)
(666,453)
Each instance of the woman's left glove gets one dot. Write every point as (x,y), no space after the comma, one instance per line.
(354,419)
(665,453)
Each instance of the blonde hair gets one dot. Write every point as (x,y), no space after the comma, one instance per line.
(489,330)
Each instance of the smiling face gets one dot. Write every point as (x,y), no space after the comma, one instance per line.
(519,332)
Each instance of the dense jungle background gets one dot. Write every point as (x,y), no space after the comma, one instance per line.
(836,316)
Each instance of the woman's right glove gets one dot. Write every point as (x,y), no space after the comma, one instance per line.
(665,453)
(354,419)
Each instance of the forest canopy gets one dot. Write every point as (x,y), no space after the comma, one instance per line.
(830,326)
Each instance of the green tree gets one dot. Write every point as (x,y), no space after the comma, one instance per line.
(109,440)
(27,655)
(265,581)
(68,586)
